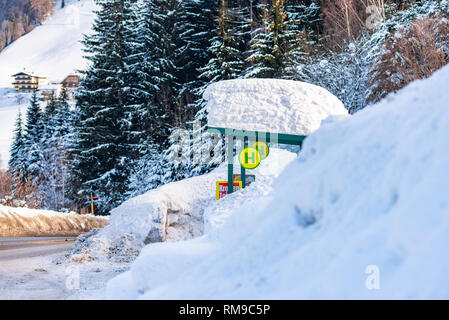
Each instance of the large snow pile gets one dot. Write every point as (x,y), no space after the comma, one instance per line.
(176,211)
(23,222)
(52,50)
(270,105)
(362,213)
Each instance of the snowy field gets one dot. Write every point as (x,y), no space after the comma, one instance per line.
(52,50)
(23,222)
(362,213)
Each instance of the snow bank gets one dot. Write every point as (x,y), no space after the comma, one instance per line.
(176,211)
(270,105)
(52,50)
(23,222)
(362,213)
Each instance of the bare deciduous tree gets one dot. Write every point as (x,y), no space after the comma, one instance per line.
(411,54)
(347,19)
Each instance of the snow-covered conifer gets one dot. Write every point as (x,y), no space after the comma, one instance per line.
(102,152)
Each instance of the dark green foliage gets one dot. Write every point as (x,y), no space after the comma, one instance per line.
(103,151)
(16,163)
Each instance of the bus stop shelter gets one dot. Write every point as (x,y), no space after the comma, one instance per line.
(254,136)
(274,111)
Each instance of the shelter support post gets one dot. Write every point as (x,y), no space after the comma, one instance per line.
(230,164)
(242,169)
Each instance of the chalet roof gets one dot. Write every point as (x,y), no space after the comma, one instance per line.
(70,75)
(21,74)
(27,74)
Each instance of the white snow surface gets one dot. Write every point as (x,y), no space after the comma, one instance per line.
(270,105)
(367,199)
(24,222)
(43,278)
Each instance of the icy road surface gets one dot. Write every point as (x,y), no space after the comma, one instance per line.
(15,248)
(28,271)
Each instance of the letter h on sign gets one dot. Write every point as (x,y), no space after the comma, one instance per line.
(252,157)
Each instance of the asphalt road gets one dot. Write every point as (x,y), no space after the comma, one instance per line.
(18,248)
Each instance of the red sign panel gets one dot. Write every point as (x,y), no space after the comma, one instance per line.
(222,188)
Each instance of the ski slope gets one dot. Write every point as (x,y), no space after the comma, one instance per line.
(52,50)
(363,213)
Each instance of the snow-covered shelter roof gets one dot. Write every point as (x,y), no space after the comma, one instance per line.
(270,105)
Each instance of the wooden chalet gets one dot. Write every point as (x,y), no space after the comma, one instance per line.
(71,81)
(26,82)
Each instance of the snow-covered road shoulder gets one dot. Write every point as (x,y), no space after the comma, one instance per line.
(23,222)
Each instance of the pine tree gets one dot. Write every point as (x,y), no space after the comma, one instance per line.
(32,145)
(33,135)
(147,174)
(157,89)
(63,115)
(242,15)
(227,61)
(305,15)
(51,106)
(273,44)
(194,23)
(102,153)
(157,72)
(172,42)
(56,154)
(16,162)
(48,124)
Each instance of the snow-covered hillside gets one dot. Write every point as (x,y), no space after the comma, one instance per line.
(52,50)
(362,213)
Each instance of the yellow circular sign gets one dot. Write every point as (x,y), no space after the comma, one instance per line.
(262,147)
(249,158)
